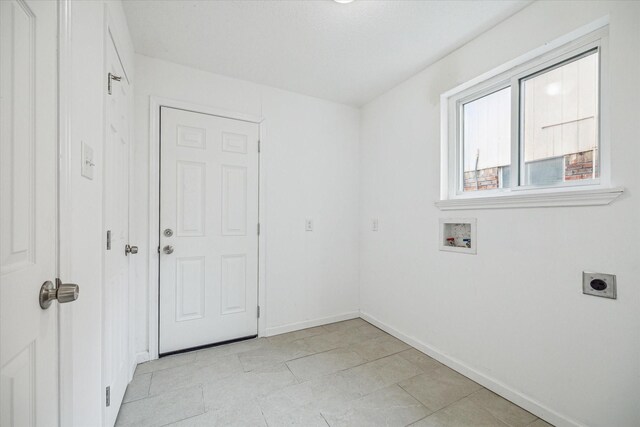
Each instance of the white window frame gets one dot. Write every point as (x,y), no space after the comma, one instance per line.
(597,191)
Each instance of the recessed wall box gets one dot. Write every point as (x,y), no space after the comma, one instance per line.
(458,235)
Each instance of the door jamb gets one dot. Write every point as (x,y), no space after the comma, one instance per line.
(155,103)
(64,197)
(112,35)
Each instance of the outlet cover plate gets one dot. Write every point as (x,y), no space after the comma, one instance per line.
(610,291)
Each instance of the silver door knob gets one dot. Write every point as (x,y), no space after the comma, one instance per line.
(130,250)
(63,292)
(168,249)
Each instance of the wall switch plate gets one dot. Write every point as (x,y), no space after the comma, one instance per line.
(374,224)
(599,284)
(87,161)
(308,224)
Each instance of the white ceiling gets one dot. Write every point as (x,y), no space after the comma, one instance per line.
(349,53)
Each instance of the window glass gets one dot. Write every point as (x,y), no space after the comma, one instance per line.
(545,172)
(560,123)
(486,140)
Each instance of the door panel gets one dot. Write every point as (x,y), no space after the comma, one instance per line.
(116,221)
(190,288)
(233,284)
(28,175)
(234,201)
(209,199)
(191,198)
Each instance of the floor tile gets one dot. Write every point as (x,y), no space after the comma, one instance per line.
(244,414)
(439,387)
(296,335)
(198,372)
(339,338)
(305,401)
(389,406)
(540,423)
(502,409)
(347,324)
(379,347)
(346,373)
(320,364)
(233,348)
(165,363)
(138,388)
(162,409)
(463,413)
(246,386)
(271,355)
(368,331)
(421,360)
(378,374)
(297,418)
(324,342)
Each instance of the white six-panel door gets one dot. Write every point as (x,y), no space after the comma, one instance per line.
(209,202)
(28,172)
(116,222)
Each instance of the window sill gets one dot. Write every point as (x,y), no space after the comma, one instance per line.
(565,198)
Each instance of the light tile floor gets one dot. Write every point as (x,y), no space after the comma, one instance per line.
(343,374)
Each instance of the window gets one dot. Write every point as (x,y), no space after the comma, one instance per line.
(559,122)
(486,128)
(534,127)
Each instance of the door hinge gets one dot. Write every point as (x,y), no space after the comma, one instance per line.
(258,312)
(158,249)
(108,395)
(258,229)
(259,146)
(110,78)
(108,240)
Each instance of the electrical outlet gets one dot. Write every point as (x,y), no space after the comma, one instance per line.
(308,224)
(599,284)
(374,224)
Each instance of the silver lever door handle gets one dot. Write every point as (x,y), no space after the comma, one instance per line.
(63,292)
(130,250)
(168,249)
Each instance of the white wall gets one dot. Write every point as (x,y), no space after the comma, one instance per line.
(309,168)
(522,327)
(83,265)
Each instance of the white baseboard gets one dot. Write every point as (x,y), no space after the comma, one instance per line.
(142,357)
(486,381)
(135,361)
(277,330)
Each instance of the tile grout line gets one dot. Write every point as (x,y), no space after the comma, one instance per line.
(325,420)
(204,406)
(409,393)
(364,362)
(294,375)
(149,388)
(452,403)
(481,406)
(264,417)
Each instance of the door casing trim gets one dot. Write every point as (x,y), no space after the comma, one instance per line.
(155,103)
